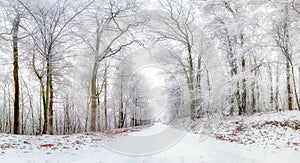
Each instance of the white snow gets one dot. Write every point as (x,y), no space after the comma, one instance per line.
(158,143)
(153,130)
(278,130)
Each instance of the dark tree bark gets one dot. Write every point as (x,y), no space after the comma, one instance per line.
(271,87)
(121,107)
(15,30)
(191,82)
(51,105)
(244,84)
(289,91)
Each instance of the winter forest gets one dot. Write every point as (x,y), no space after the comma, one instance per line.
(71,67)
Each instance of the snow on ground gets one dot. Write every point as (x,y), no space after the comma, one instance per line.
(277,130)
(270,134)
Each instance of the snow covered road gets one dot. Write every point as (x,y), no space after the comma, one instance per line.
(183,147)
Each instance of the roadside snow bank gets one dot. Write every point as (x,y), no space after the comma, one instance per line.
(279,130)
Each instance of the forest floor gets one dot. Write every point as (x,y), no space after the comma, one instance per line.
(268,137)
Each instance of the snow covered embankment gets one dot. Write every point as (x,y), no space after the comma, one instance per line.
(278,130)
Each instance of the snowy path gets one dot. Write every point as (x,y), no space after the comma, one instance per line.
(187,148)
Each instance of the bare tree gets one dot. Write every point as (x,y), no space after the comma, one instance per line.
(283,42)
(180,27)
(113,23)
(15,31)
(13,14)
(51,23)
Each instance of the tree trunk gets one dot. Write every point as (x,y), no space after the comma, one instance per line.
(294,86)
(121,107)
(23,123)
(233,72)
(289,91)
(99,113)
(121,115)
(45,110)
(51,104)
(105,98)
(244,88)
(238,98)
(277,89)
(94,82)
(191,83)
(198,88)
(253,100)
(46,96)
(271,88)
(94,97)
(15,31)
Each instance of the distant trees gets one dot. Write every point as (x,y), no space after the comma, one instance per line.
(284,41)
(121,92)
(132,94)
(178,25)
(112,23)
